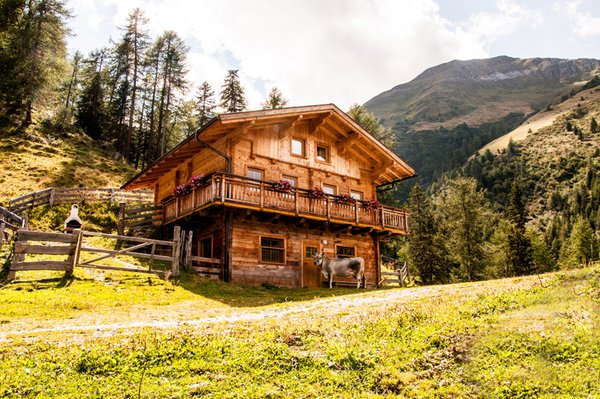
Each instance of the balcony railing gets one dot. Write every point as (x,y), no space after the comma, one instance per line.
(244,192)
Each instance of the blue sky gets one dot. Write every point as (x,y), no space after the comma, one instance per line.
(344,51)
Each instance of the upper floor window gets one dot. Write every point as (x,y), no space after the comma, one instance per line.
(290,179)
(322,153)
(298,147)
(357,195)
(255,174)
(329,189)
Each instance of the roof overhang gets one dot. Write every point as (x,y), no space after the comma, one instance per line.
(351,139)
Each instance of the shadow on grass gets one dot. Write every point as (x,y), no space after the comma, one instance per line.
(253,296)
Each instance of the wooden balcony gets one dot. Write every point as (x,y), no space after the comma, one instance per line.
(242,192)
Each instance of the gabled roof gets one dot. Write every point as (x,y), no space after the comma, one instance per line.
(354,140)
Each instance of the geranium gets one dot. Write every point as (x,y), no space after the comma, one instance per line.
(316,193)
(181,190)
(370,204)
(195,181)
(282,185)
(344,199)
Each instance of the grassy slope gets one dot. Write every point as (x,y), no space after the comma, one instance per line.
(544,119)
(33,161)
(504,339)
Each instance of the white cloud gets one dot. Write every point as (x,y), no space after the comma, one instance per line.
(584,24)
(340,51)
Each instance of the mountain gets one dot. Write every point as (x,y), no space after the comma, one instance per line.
(479,91)
(449,111)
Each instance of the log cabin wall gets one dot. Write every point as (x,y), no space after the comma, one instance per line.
(269,149)
(249,268)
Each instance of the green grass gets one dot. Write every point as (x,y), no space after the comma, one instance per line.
(502,339)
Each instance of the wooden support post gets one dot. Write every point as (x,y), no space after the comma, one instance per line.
(222,189)
(121,222)
(176,251)
(74,248)
(327,208)
(188,251)
(356,212)
(262,195)
(296,205)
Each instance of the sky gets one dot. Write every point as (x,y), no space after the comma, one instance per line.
(342,51)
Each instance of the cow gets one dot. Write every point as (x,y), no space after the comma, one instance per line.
(343,267)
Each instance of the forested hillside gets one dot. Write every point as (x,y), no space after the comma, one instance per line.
(131,97)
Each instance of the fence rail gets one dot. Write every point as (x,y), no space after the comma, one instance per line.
(10,223)
(55,195)
(73,246)
(400,275)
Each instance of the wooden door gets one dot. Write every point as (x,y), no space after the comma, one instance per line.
(310,272)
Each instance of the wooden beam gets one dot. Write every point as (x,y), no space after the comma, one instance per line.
(290,126)
(345,144)
(343,229)
(321,123)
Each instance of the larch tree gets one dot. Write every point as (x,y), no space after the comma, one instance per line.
(274,99)
(520,252)
(35,32)
(232,93)
(425,249)
(91,109)
(465,219)
(371,124)
(205,104)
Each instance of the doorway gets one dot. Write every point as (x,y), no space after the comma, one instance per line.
(311,276)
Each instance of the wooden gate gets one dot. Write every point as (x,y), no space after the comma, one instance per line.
(400,275)
(81,253)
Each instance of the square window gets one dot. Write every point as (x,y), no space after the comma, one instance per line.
(345,252)
(272,250)
(256,174)
(298,147)
(322,153)
(357,195)
(290,179)
(328,189)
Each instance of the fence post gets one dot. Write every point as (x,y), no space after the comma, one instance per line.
(73,254)
(25,218)
(51,199)
(121,222)
(111,196)
(1,231)
(17,257)
(176,251)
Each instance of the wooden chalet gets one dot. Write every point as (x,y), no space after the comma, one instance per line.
(271,188)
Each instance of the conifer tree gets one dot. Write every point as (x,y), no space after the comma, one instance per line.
(232,93)
(274,100)
(371,124)
(520,255)
(465,218)
(205,104)
(32,37)
(91,115)
(425,251)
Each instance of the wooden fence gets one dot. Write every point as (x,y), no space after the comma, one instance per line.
(55,195)
(400,275)
(138,215)
(206,267)
(10,223)
(73,246)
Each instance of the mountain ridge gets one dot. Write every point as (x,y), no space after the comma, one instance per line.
(455,92)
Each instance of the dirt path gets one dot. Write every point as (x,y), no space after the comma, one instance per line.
(183,315)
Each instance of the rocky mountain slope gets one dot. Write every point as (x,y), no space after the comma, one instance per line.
(452,110)
(479,91)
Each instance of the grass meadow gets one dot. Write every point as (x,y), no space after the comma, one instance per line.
(515,338)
